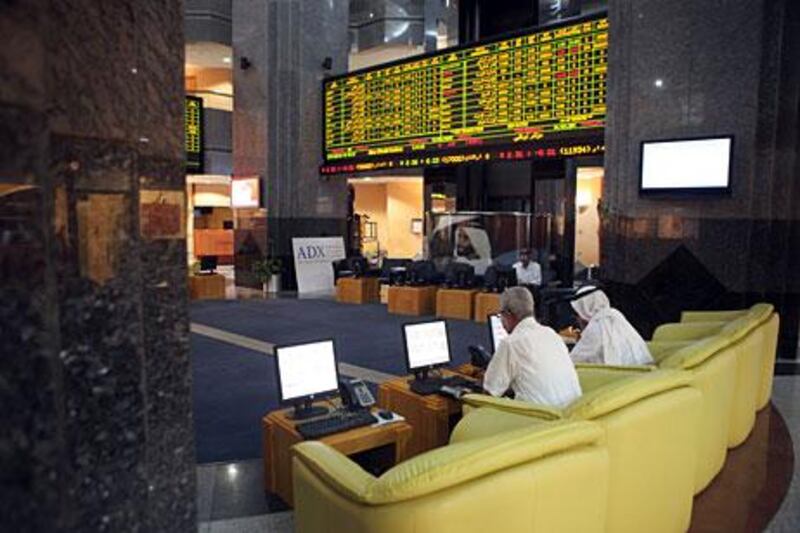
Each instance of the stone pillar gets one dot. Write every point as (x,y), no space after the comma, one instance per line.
(277,122)
(96,431)
(725,67)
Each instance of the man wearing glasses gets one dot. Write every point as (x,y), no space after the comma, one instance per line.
(532,362)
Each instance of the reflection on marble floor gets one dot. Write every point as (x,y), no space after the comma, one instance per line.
(231,499)
(786,397)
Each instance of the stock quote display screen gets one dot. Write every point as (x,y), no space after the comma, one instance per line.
(539,95)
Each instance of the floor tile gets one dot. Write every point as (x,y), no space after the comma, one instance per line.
(205,491)
(271,523)
(239,491)
(786,397)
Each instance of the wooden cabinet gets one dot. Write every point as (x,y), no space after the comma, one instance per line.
(486,303)
(455,303)
(217,242)
(415,301)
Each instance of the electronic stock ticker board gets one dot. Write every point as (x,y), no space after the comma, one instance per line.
(537,95)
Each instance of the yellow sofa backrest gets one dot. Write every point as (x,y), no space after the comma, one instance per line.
(539,478)
(456,463)
(696,352)
(621,390)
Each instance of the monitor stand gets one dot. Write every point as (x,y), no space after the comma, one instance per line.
(421,375)
(306,410)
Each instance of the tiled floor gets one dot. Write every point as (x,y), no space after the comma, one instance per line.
(786,397)
(231,499)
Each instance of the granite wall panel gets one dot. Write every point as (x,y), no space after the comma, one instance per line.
(686,69)
(96,433)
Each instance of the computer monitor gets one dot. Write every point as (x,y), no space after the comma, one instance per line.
(427,346)
(208,263)
(459,275)
(496,331)
(306,372)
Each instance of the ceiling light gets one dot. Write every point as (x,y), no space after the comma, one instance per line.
(227,59)
(659,83)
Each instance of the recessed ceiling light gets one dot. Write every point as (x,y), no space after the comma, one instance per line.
(226,59)
(659,83)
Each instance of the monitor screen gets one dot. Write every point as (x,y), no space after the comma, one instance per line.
(306,370)
(496,330)
(536,95)
(686,165)
(245,192)
(426,344)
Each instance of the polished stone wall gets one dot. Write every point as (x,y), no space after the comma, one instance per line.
(96,430)
(277,122)
(724,67)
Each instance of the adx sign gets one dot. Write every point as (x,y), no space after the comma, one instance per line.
(313,258)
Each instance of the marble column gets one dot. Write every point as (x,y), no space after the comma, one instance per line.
(277,122)
(687,69)
(96,431)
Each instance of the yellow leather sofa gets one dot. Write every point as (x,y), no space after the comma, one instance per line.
(767,328)
(711,364)
(546,477)
(650,422)
(748,335)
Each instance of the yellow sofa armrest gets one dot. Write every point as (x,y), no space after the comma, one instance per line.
(543,412)
(687,331)
(712,316)
(336,469)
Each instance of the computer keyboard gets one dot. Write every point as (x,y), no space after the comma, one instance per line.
(335,423)
(435,384)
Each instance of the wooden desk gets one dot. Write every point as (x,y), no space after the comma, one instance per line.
(279,436)
(469,370)
(432,417)
(357,290)
(455,303)
(207,286)
(414,301)
(486,303)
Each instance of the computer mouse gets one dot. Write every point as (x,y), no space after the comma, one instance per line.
(386,415)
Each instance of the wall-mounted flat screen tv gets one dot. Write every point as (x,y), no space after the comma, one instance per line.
(686,165)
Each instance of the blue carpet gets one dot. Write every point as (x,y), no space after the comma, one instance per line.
(234,387)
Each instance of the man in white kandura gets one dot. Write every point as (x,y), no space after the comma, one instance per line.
(532,361)
(528,272)
(607,336)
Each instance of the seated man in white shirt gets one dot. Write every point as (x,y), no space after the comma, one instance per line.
(532,361)
(528,272)
(607,336)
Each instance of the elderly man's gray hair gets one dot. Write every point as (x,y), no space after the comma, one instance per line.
(517,301)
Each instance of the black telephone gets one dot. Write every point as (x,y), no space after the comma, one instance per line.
(479,356)
(355,394)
